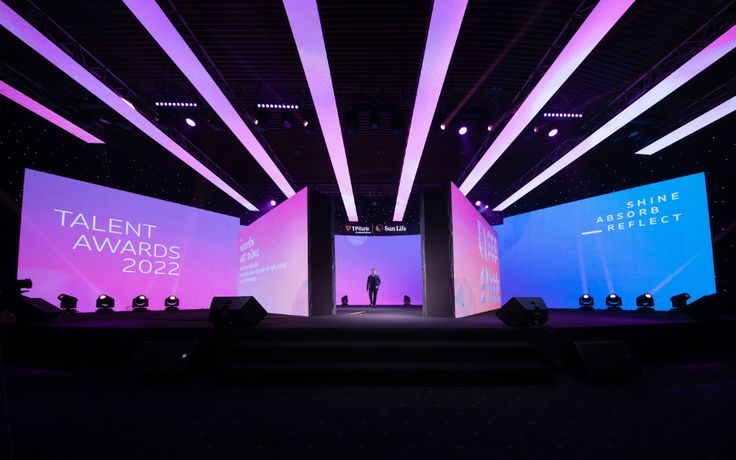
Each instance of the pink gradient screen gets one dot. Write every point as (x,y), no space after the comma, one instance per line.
(475,259)
(84,240)
(397,259)
(273,263)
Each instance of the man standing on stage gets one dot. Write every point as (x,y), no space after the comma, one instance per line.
(372,286)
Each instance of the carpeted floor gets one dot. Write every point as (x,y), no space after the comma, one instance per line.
(672,411)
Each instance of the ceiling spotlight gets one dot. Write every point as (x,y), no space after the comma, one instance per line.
(680,300)
(443,126)
(140,303)
(645,302)
(552,133)
(536,129)
(67,303)
(191,122)
(171,303)
(613,302)
(104,303)
(477,203)
(586,302)
(273,202)
(305,123)
(489,128)
(462,130)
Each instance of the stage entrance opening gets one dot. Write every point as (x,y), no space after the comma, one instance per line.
(378,274)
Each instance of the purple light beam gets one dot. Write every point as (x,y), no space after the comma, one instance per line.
(712,115)
(707,56)
(163,31)
(18,26)
(46,113)
(444,27)
(603,17)
(307,30)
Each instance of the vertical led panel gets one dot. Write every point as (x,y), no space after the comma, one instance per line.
(163,31)
(603,17)
(701,61)
(712,115)
(307,30)
(444,27)
(19,27)
(46,113)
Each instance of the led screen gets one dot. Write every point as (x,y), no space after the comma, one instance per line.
(397,259)
(654,238)
(273,262)
(474,258)
(84,240)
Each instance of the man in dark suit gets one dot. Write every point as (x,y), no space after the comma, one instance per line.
(372,286)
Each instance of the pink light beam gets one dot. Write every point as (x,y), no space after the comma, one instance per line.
(307,30)
(707,56)
(46,113)
(19,27)
(598,23)
(444,27)
(712,115)
(154,20)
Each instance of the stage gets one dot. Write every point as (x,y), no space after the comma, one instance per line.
(380,344)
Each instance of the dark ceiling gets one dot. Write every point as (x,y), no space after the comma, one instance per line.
(375,53)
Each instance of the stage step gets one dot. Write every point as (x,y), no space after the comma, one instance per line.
(382,350)
(387,372)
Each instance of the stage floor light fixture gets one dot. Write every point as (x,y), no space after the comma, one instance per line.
(171,303)
(614,302)
(344,301)
(140,303)
(645,302)
(586,302)
(679,300)
(104,303)
(407,301)
(68,303)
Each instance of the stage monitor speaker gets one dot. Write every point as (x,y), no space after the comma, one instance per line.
(523,311)
(708,307)
(236,311)
(35,310)
(162,357)
(605,360)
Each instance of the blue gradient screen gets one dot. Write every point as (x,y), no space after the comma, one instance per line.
(654,238)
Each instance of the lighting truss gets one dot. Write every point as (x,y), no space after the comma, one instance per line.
(307,31)
(701,61)
(444,27)
(598,23)
(19,27)
(712,115)
(155,21)
(46,113)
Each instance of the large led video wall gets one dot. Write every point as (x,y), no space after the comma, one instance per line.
(654,238)
(273,261)
(397,259)
(475,264)
(84,240)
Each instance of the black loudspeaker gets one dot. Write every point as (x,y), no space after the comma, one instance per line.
(35,310)
(523,311)
(706,308)
(236,311)
(605,360)
(162,357)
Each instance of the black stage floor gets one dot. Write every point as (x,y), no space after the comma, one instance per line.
(364,343)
